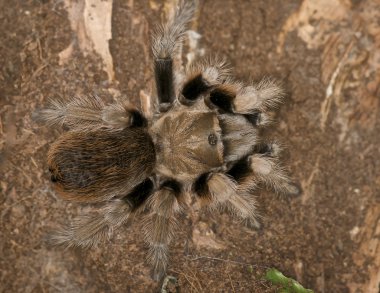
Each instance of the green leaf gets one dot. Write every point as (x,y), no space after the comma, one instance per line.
(297,287)
(276,277)
(288,284)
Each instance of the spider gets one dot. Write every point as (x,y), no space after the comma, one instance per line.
(199,138)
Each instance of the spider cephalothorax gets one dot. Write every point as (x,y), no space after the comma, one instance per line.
(199,137)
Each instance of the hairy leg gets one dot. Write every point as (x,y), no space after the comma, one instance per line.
(87,231)
(239,136)
(268,170)
(166,41)
(264,166)
(253,102)
(201,77)
(89,113)
(218,190)
(262,96)
(160,223)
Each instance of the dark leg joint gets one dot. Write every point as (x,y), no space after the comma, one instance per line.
(265,149)
(173,185)
(139,194)
(240,169)
(254,118)
(164,80)
(222,99)
(194,88)
(138,120)
(200,186)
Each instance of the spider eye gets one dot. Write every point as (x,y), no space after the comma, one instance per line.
(212,139)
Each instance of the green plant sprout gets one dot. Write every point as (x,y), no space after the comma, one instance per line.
(289,285)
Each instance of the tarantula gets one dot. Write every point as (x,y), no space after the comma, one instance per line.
(198,138)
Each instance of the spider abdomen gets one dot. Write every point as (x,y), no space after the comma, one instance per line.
(96,165)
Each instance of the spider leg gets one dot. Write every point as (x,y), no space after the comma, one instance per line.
(268,170)
(87,231)
(239,136)
(201,77)
(160,224)
(264,166)
(218,190)
(262,96)
(88,113)
(254,102)
(166,41)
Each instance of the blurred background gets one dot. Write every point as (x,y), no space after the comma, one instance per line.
(327,52)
